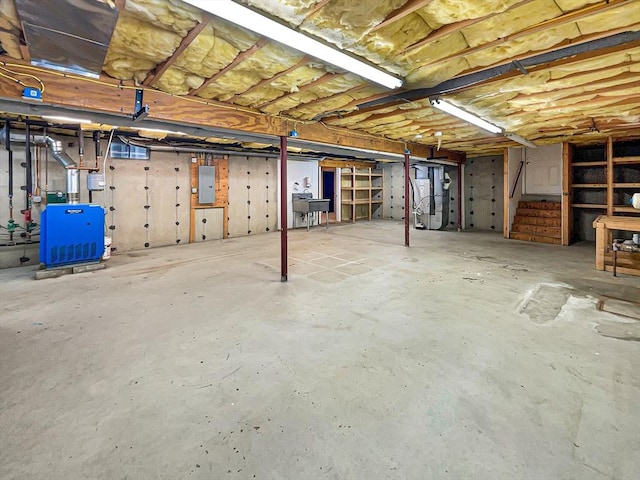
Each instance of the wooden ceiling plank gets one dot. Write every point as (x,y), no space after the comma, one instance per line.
(555,22)
(305,60)
(323,79)
(456,27)
(407,9)
(241,57)
(184,43)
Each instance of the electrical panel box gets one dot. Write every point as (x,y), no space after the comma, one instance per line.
(71,234)
(206,184)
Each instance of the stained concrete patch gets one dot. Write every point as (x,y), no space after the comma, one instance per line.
(544,303)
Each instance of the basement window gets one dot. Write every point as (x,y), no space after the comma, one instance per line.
(121,150)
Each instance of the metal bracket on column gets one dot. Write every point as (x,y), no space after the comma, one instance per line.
(140,111)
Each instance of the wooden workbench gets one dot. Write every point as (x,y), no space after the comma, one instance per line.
(604,226)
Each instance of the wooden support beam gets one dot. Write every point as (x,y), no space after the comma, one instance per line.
(110,96)
(407,9)
(184,43)
(567,180)
(269,80)
(505,193)
(610,176)
(241,57)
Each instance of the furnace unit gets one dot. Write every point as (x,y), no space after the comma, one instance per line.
(71,234)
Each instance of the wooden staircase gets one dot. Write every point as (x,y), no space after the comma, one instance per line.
(537,222)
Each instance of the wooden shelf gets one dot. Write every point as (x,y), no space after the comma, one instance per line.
(622,160)
(625,209)
(590,164)
(626,185)
(357,187)
(589,205)
(589,185)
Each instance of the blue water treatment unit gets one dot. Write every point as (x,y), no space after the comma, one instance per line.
(71,234)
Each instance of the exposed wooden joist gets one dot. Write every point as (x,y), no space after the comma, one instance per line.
(241,57)
(110,96)
(267,81)
(323,79)
(325,99)
(555,22)
(184,43)
(456,27)
(316,8)
(407,9)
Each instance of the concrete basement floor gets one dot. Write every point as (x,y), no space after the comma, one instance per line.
(466,356)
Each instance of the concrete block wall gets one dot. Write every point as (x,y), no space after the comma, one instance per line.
(147,202)
(483,193)
(253,195)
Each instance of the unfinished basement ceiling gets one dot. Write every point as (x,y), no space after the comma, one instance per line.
(582,98)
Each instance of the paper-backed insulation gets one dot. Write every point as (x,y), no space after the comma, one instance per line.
(620,17)
(336,85)
(445,12)
(510,22)
(272,59)
(138,45)
(213,49)
(332,104)
(345,22)
(280,86)
(172,15)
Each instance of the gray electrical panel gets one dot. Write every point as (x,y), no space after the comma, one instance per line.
(206,184)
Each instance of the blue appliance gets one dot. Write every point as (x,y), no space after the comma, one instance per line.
(71,234)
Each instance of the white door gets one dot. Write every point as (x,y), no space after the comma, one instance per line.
(543,170)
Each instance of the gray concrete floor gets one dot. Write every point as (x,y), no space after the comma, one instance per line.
(465,356)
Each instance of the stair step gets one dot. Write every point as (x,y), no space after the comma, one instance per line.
(554,232)
(528,237)
(547,221)
(530,212)
(540,205)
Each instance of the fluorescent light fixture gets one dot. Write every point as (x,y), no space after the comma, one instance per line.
(158,130)
(251,20)
(462,115)
(56,118)
(520,140)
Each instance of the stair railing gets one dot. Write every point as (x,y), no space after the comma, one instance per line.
(515,183)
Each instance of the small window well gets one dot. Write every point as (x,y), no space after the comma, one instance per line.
(123,151)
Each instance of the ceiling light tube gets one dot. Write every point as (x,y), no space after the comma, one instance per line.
(520,140)
(57,118)
(462,115)
(158,130)
(251,20)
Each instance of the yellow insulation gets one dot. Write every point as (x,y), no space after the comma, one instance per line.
(172,15)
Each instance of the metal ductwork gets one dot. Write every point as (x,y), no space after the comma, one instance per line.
(57,151)
(58,40)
